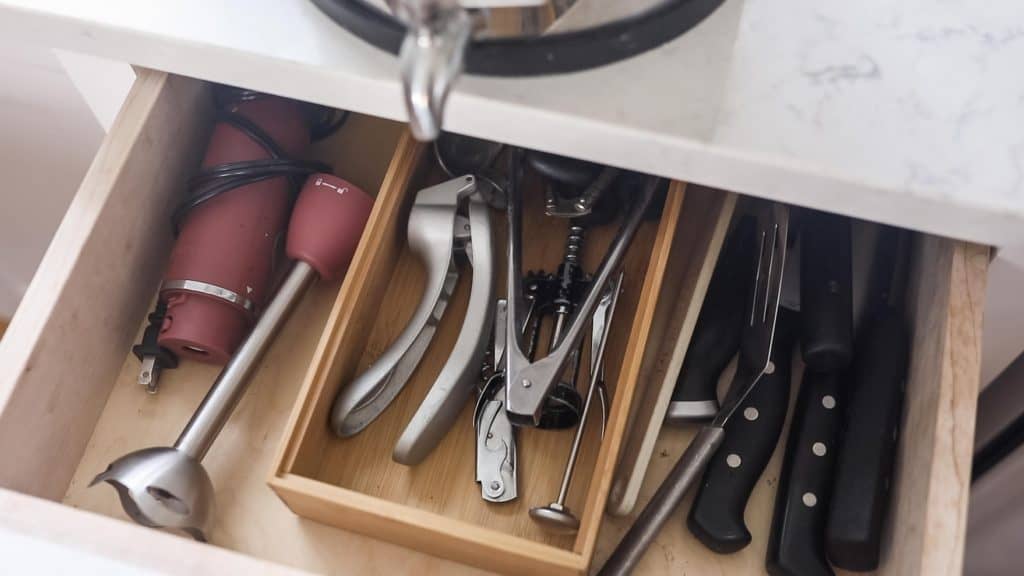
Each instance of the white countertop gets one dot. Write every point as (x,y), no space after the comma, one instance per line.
(906,112)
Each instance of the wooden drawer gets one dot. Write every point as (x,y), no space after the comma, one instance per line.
(69,403)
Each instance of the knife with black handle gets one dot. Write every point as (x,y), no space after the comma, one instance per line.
(719,326)
(796,546)
(826,291)
(861,492)
(716,517)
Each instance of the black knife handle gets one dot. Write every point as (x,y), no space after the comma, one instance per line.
(796,546)
(751,435)
(826,291)
(861,492)
(719,326)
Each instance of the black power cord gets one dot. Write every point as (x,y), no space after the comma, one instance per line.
(216,180)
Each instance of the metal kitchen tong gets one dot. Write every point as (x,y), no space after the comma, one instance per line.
(449,225)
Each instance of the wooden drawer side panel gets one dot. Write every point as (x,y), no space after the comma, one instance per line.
(68,338)
(933,474)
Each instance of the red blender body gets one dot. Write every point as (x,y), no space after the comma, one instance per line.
(222,267)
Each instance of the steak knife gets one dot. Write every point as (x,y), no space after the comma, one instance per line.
(796,546)
(716,517)
(719,326)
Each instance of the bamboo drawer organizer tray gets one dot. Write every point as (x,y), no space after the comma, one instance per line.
(436,506)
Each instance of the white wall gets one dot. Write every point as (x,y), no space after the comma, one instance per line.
(48,137)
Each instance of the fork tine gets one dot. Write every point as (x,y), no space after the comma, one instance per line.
(758,337)
(772,273)
(758,273)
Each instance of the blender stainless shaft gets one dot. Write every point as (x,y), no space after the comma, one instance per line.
(220,401)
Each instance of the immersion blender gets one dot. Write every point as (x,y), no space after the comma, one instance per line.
(220,269)
(226,259)
(167,487)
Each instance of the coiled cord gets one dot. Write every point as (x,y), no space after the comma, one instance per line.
(216,180)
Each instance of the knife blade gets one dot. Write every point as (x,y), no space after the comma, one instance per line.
(861,490)
(716,517)
(796,546)
(719,326)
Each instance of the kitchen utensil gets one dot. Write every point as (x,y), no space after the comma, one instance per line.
(564,405)
(454,386)
(556,516)
(716,517)
(719,326)
(755,354)
(448,225)
(826,291)
(796,543)
(796,546)
(529,382)
(541,291)
(861,493)
(496,456)
(168,487)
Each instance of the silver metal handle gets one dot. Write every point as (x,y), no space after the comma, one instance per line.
(431,59)
(664,502)
(528,383)
(432,229)
(207,421)
(457,380)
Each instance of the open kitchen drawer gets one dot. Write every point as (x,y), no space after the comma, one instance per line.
(69,403)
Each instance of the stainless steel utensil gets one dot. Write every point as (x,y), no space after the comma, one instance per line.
(755,353)
(448,224)
(496,466)
(556,516)
(530,382)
